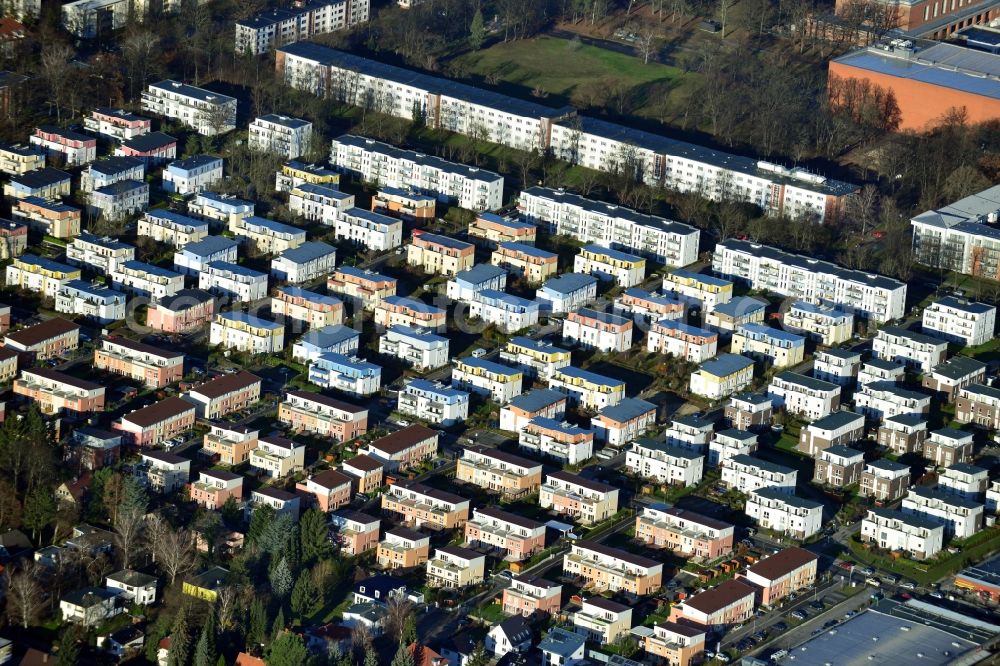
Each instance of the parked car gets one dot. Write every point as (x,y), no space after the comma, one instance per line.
(780,626)
(874,582)
(866,571)
(818,605)
(799,615)
(908,585)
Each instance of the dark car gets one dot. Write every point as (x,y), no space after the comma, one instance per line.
(781,626)
(818,605)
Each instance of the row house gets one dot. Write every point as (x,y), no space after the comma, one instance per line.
(602,621)
(979,404)
(277,457)
(313,309)
(492,230)
(706,292)
(674,337)
(283,502)
(50,338)
(527,595)
(804,396)
(98,253)
(663,463)
(610,265)
(346,374)
(185,311)
(675,643)
(738,311)
(142,279)
(152,366)
(368,229)
(46,183)
(957,320)
(404,311)
(118,201)
(919,538)
(517,537)
(455,567)
(498,382)
(232,443)
(356,532)
(208,113)
(568,444)
(192,175)
(777,348)
(883,400)
(406,448)
(993,498)
(73,148)
(840,428)
(650,307)
(323,416)
(220,209)
(13,238)
(721,376)
(116,124)
(471,188)
(588,389)
(779,576)
(162,471)
(305,262)
(903,433)
(747,474)
(8,366)
(232,281)
(948,446)
(246,333)
(149,426)
(56,392)
(367,472)
(837,366)
(437,254)
(949,377)
(153,148)
(499,472)
(885,480)
(824,324)
(766,268)
(18,159)
(273,133)
(585,501)
(39,274)
(415,503)
(776,510)
(403,548)
(961,517)
(686,533)
(91,300)
(361,286)
(111,170)
(749,411)
(964,480)
(508,313)
(567,293)
(536,403)
(691,432)
(214,487)
(466,284)
(414,347)
(433,402)
(612,569)
(839,466)
(914,350)
(525,260)
(730,443)
(225,394)
(538,359)
(618,425)
(267,236)
(166,226)
(319,203)
(328,491)
(194,257)
(719,608)
(404,204)
(590,221)
(337,339)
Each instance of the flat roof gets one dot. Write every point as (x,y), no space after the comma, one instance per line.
(200,94)
(473,173)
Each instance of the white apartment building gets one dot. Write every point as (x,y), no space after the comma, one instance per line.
(569,444)
(282,135)
(826,325)
(885,480)
(209,113)
(166,226)
(39,274)
(194,257)
(777,347)
(377,162)
(747,474)
(960,237)
(497,382)
(369,229)
(273,27)
(224,208)
(722,376)
(603,331)
(698,290)
(875,371)
(346,374)
(507,312)
(111,170)
(918,537)
(806,396)
(99,253)
(590,221)
(651,307)
(663,463)
(881,400)
(116,124)
(243,332)
(867,295)
(18,159)
(277,457)
(620,424)
(602,620)
(73,148)
(914,350)
(586,501)
(961,517)
(567,292)
(89,19)
(118,201)
(455,567)
(610,265)
(466,284)
(142,279)
(589,389)
(539,359)
(957,320)
(669,336)
(690,432)
(337,339)
(305,262)
(192,175)
(268,236)
(93,301)
(964,480)
(318,202)
(837,366)
(516,414)
(433,402)
(729,443)
(233,281)
(775,510)
(415,347)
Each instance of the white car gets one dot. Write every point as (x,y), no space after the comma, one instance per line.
(908,585)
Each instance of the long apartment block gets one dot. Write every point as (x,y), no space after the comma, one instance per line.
(421,505)
(612,569)
(500,472)
(151,365)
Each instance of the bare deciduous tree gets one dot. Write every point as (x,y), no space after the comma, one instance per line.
(174,552)
(397,610)
(24,596)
